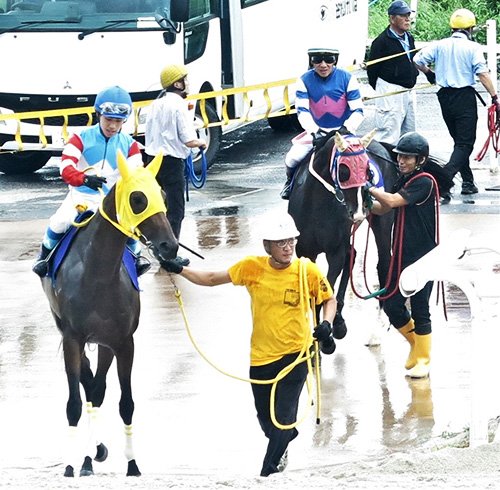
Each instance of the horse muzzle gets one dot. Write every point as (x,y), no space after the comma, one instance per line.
(164,250)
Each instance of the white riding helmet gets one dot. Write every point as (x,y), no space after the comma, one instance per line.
(280,228)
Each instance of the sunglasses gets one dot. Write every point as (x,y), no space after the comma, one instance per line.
(111,108)
(283,243)
(328,59)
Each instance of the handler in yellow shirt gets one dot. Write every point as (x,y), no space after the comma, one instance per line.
(280,326)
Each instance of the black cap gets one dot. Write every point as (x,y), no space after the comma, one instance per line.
(398,7)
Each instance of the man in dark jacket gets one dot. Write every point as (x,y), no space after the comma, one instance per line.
(395,114)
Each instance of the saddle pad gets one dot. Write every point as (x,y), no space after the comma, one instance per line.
(63,246)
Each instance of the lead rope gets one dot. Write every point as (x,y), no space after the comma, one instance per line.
(303,356)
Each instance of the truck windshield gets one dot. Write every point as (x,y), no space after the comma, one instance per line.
(79,15)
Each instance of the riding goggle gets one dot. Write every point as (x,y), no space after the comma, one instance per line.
(327,58)
(112,109)
(283,243)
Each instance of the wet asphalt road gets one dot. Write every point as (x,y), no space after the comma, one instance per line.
(191,419)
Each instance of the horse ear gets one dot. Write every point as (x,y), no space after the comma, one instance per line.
(122,164)
(155,164)
(367,138)
(340,142)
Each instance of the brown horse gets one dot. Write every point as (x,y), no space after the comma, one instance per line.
(93,299)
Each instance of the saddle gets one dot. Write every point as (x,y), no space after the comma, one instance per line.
(57,257)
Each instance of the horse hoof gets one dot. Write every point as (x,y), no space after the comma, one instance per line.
(102,453)
(132,469)
(87,469)
(69,471)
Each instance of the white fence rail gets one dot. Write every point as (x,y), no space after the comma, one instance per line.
(446,263)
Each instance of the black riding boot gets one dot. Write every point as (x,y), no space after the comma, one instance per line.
(142,265)
(41,266)
(287,188)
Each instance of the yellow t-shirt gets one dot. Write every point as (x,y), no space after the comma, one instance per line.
(280,323)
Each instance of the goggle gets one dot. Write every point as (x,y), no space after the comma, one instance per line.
(327,58)
(283,243)
(114,109)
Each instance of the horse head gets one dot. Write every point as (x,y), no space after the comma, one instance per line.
(139,207)
(350,168)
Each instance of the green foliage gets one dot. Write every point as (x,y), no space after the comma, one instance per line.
(433,17)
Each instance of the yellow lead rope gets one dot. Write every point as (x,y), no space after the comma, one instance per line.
(303,356)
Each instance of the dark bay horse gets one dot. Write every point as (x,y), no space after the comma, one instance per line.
(326,208)
(93,299)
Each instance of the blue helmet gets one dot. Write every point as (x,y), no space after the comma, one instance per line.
(113,102)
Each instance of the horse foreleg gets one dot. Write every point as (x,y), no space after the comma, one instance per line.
(95,396)
(72,362)
(124,361)
(381,227)
(336,265)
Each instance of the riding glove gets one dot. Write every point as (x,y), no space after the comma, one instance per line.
(431,77)
(343,131)
(367,197)
(94,182)
(171,266)
(322,331)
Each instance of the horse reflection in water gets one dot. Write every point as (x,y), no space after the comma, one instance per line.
(93,300)
(326,201)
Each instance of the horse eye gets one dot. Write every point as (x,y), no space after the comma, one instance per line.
(138,202)
(344,173)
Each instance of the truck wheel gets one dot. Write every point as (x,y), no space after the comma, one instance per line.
(212,136)
(285,123)
(23,162)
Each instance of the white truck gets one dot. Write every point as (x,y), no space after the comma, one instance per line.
(58,54)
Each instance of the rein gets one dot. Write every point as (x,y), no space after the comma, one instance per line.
(329,187)
(303,356)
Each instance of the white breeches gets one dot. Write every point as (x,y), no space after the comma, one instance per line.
(61,220)
(301,146)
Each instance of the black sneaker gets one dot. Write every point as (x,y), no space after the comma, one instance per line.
(469,188)
(142,265)
(283,461)
(445,198)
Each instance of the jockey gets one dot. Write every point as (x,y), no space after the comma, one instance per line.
(327,99)
(94,149)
